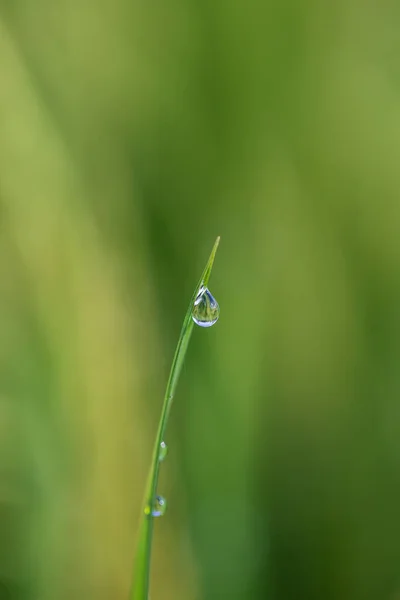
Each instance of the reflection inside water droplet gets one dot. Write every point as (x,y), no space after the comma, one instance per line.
(200,293)
(205,308)
(163,451)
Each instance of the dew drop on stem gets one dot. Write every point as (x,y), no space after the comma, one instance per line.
(158,508)
(205,309)
(163,451)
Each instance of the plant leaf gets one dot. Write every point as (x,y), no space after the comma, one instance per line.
(140,590)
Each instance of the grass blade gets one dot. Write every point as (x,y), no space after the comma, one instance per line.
(140,589)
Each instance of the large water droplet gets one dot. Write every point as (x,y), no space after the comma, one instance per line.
(163,451)
(205,308)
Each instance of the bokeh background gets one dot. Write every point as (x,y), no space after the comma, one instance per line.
(132,133)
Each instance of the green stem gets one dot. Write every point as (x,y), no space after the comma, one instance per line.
(140,589)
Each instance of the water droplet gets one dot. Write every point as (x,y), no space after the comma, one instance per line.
(205,309)
(158,509)
(163,451)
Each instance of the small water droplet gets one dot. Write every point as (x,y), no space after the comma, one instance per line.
(159,507)
(205,309)
(163,451)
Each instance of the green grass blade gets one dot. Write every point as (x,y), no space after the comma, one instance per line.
(140,589)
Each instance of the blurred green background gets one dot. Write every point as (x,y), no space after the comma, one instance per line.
(132,133)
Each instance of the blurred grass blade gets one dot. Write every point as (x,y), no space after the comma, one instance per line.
(142,563)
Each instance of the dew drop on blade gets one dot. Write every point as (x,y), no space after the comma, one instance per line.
(205,309)
(163,451)
(159,506)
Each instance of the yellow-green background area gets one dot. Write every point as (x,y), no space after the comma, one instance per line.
(132,133)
